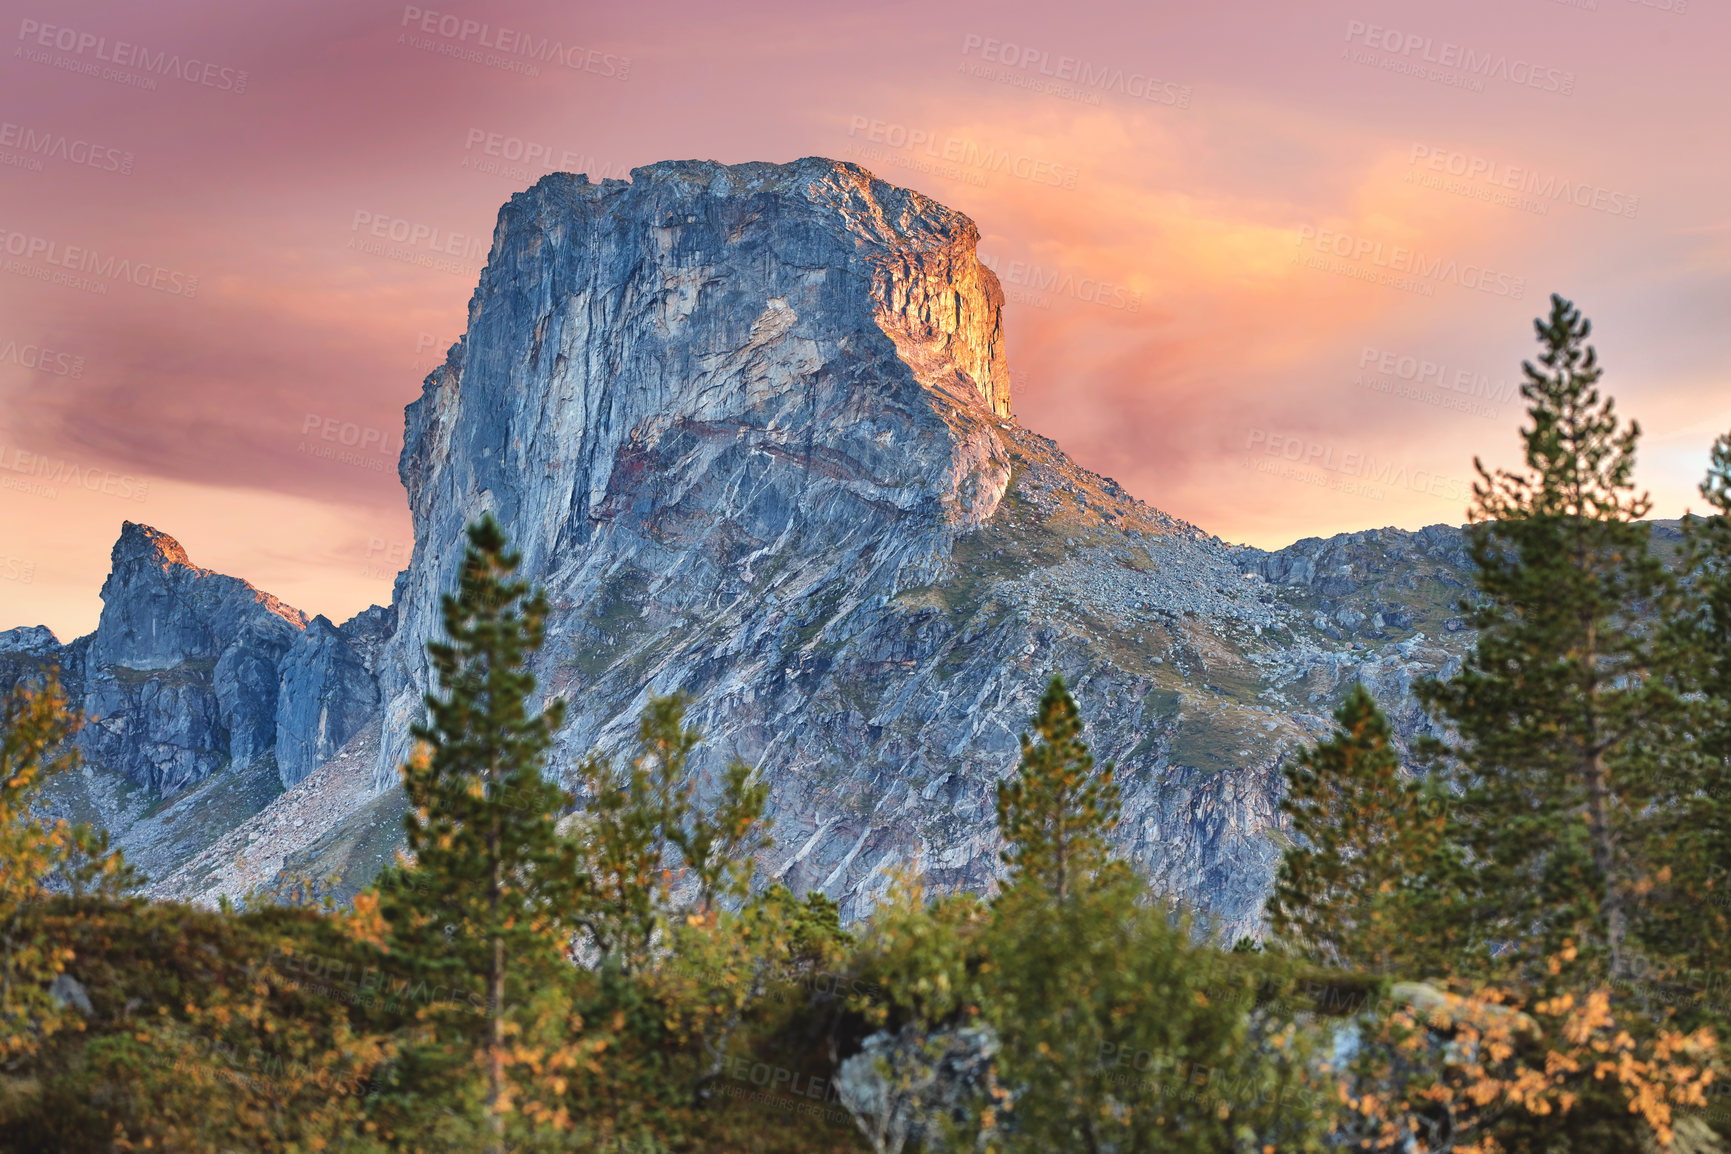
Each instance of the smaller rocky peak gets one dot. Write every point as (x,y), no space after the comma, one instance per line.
(141,544)
(320,629)
(147,559)
(368,631)
(327,693)
(33,640)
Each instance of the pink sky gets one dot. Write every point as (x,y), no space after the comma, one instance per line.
(1230,234)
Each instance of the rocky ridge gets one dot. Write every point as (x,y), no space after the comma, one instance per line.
(749,426)
(194,683)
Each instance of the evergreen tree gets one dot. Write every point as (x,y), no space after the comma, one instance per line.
(1557,710)
(490,876)
(1687,915)
(1056,813)
(1558,727)
(1117,1030)
(644,838)
(1368,854)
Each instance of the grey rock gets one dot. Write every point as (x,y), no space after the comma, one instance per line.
(328,693)
(30,641)
(904,1086)
(367,632)
(26,654)
(69,991)
(749,428)
(180,677)
(190,683)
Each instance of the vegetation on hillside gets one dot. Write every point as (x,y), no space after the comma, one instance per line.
(1515,941)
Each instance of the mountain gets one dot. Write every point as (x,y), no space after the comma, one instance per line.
(194,682)
(750,427)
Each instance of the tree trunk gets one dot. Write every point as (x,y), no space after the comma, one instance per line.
(1604,855)
(1597,780)
(496,1004)
(496,1047)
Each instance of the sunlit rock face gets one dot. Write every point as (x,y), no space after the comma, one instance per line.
(749,427)
(721,409)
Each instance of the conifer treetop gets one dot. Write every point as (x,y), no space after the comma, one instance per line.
(1056,815)
(1580,456)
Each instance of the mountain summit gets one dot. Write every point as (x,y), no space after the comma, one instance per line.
(749,425)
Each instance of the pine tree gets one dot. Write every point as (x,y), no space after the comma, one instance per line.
(490,875)
(1368,857)
(1118,1031)
(1558,730)
(1687,921)
(644,836)
(1556,710)
(1055,815)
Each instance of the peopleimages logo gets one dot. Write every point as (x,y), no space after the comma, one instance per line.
(33,146)
(963,152)
(1416,378)
(1088,77)
(43,360)
(459,32)
(1405,261)
(1038,283)
(42,476)
(504,151)
(88,261)
(1543,187)
(420,244)
(1468,61)
(1346,470)
(35,35)
(348,443)
(1422,371)
(395,558)
(405,231)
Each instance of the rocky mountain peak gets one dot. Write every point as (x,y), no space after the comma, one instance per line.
(682,385)
(181,674)
(148,563)
(140,544)
(749,427)
(932,294)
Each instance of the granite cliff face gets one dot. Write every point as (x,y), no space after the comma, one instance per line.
(328,691)
(200,688)
(180,677)
(749,426)
(674,389)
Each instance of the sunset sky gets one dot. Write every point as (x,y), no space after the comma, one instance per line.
(1231,235)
